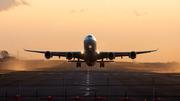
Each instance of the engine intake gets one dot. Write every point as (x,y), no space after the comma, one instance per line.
(111,55)
(48,54)
(69,55)
(132,55)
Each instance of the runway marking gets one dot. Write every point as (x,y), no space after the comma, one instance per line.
(105,74)
(50,73)
(87,88)
(40,73)
(87,93)
(87,83)
(88,74)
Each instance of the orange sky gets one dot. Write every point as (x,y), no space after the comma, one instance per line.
(118,25)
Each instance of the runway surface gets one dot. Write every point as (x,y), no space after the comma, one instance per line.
(86,80)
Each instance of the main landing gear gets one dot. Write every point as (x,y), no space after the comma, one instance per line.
(101,64)
(78,64)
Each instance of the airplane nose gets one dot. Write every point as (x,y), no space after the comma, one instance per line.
(90,37)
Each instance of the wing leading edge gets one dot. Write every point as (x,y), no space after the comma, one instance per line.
(121,54)
(76,54)
(100,55)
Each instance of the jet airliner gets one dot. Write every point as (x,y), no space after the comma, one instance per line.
(90,55)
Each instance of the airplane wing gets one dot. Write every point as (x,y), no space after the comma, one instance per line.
(121,54)
(76,54)
(100,55)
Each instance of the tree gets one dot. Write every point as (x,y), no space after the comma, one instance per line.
(4,54)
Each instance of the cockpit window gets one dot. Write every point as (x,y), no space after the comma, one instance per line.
(90,37)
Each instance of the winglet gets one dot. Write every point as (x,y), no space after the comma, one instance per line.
(24,49)
(157,48)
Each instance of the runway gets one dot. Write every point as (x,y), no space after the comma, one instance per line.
(86,80)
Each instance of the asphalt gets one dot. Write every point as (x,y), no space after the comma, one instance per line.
(85,81)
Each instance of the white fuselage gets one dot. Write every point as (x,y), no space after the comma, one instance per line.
(90,54)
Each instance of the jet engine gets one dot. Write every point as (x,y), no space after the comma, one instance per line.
(69,55)
(48,54)
(132,55)
(111,56)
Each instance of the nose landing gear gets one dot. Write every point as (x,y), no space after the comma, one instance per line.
(78,64)
(102,63)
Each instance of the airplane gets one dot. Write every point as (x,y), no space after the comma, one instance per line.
(90,55)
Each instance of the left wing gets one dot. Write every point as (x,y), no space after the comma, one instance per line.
(102,55)
(76,54)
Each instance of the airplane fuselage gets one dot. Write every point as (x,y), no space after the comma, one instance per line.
(90,54)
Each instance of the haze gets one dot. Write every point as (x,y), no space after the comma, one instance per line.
(118,25)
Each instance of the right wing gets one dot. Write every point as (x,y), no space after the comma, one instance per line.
(121,54)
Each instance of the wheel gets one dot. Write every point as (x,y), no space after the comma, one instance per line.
(77,65)
(103,65)
(100,64)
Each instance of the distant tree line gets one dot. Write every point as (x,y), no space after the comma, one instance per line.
(4,55)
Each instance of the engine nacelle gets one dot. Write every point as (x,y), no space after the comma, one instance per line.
(69,55)
(111,55)
(48,54)
(132,55)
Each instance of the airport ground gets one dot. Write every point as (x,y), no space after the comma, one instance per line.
(85,81)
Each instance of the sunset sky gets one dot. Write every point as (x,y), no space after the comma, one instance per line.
(118,25)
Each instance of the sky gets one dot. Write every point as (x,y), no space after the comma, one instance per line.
(118,25)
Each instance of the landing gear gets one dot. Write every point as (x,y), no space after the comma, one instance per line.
(101,64)
(78,64)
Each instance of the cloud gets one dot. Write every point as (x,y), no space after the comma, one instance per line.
(72,11)
(137,12)
(82,10)
(25,2)
(9,4)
